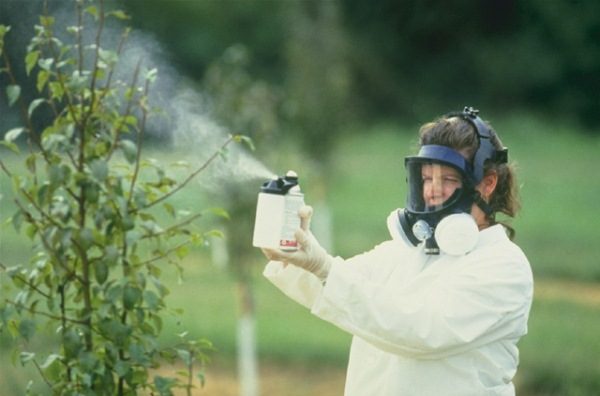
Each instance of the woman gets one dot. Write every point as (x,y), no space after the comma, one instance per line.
(439,308)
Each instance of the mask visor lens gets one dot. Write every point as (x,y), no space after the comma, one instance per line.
(430,185)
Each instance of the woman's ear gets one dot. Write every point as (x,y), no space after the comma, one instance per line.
(488,184)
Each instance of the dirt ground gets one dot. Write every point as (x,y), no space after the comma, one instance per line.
(275,380)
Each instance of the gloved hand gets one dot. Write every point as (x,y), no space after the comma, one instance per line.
(310,255)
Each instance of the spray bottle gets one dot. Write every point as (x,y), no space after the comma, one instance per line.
(277,213)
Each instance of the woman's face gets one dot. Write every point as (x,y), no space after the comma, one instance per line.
(439,183)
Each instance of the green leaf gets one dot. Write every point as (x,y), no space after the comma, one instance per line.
(17,220)
(182,251)
(34,105)
(30,162)
(116,331)
(246,140)
(151,75)
(138,354)
(170,209)
(13,134)
(201,378)
(219,212)
(46,63)
(87,361)
(110,57)
(132,237)
(164,385)
(11,146)
(86,238)
(42,79)
(129,150)
(50,360)
(111,255)
(26,357)
(152,300)
(122,368)
(131,296)
(27,328)
(101,272)
(31,60)
(47,21)
(55,175)
(72,343)
(185,356)
(56,90)
(99,169)
(52,367)
(119,14)
(214,233)
(93,11)
(13,92)
(3,30)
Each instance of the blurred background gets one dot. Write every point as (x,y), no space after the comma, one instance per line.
(337,90)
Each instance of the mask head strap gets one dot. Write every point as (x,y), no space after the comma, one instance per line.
(486,150)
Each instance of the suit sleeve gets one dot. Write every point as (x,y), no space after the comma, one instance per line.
(486,298)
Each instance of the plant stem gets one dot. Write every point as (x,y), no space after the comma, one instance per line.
(63,320)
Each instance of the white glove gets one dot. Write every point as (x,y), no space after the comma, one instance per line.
(310,255)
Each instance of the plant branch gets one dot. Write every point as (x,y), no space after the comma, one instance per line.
(63,322)
(47,245)
(173,227)
(43,313)
(59,75)
(119,128)
(5,169)
(40,210)
(41,373)
(92,105)
(165,254)
(31,285)
(112,70)
(79,38)
(192,175)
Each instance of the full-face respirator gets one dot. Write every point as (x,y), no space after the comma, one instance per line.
(441,192)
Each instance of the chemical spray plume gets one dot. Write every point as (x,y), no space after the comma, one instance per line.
(197,135)
(186,120)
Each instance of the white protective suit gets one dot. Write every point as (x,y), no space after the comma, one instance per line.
(423,325)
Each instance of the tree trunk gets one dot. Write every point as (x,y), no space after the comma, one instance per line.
(246,341)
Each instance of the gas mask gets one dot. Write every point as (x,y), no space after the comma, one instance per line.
(441,192)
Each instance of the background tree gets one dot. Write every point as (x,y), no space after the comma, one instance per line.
(407,60)
(243,103)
